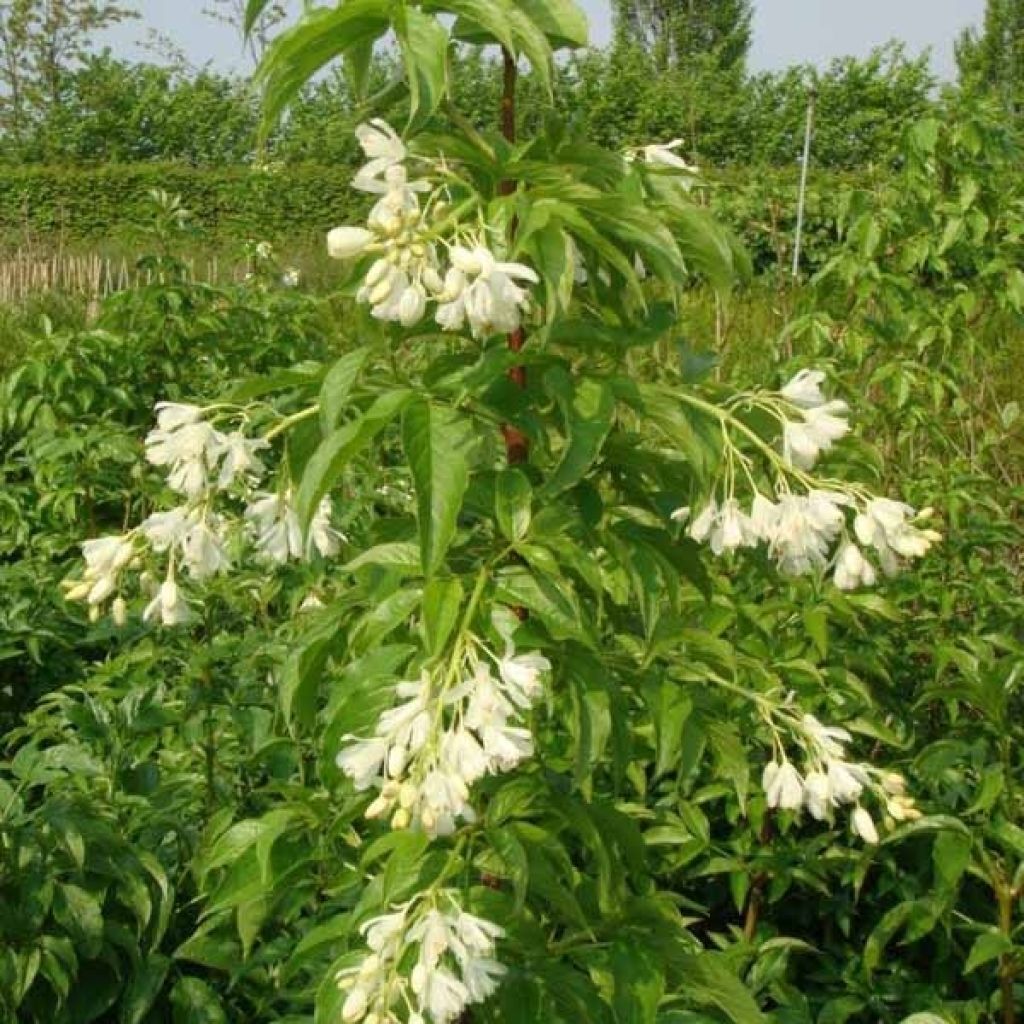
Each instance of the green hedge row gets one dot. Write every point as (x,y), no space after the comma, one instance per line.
(298,202)
(112,201)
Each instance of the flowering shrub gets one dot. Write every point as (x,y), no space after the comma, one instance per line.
(512,681)
(493,666)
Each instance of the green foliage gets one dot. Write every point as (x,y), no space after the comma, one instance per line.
(96,203)
(177,842)
(992,60)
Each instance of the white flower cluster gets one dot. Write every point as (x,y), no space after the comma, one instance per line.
(830,781)
(204,465)
(428,960)
(407,274)
(449,731)
(802,529)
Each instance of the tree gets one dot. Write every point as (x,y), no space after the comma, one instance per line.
(993,60)
(41,42)
(16,20)
(232,13)
(681,31)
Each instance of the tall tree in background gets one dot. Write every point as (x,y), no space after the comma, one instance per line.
(678,32)
(993,59)
(41,41)
(232,12)
(16,24)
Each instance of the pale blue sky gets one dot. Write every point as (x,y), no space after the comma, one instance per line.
(785,31)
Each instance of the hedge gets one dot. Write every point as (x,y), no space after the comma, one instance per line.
(91,204)
(298,202)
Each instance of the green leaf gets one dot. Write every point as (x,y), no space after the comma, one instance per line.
(588,409)
(147,980)
(301,674)
(639,984)
(253,10)
(562,21)
(987,946)
(337,386)
(79,912)
(513,501)
(323,34)
(437,442)
(512,852)
(442,602)
(335,452)
(479,21)
(424,46)
(401,555)
(710,982)
(195,1002)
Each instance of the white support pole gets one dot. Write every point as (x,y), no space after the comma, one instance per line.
(801,203)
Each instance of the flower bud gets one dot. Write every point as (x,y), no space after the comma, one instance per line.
(119,611)
(864,825)
(355,1006)
(347,242)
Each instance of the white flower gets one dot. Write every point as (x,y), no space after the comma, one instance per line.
(168,605)
(165,530)
(817,795)
(355,1006)
(382,933)
(829,739)
(481,976)
(764,517)
(189,451)
(105,559)
(477,934)
(486,294)
(853,570)
(664,155)
(240,459)
(363,761)
(347,242)
(700,528)
(322,536)
(805,389)
(171,415)
(275,527)
(443,996)
(846,781)
(106,556)
(384,148)
(412,305)
(732,529)
(804,528)
(888,527)
(506,745)
(864,825)
(783,787)
(521,674)
(291,277)
(465,756)
(278,535)
(803,441)
(203,551)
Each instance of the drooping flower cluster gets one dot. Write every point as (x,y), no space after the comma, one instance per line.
(477,288)
(429,960)
(830,781)
(450,729)
(804,522)
(207,467)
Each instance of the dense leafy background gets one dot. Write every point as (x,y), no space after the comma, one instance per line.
(176,843)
